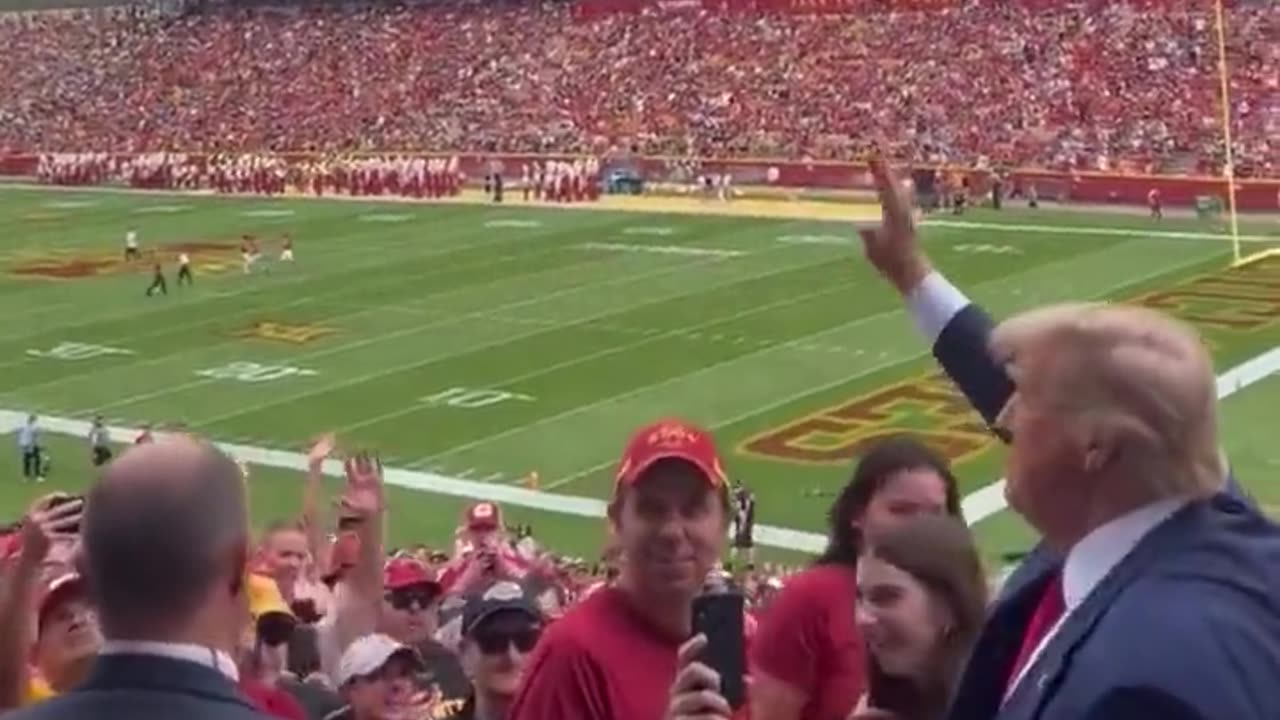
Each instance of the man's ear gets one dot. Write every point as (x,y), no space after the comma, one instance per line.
(238,566)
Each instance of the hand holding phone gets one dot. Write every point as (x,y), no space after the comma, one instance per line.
(718,615)
(695,694)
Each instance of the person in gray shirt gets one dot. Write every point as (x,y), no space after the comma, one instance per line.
(100,442)
(29,445)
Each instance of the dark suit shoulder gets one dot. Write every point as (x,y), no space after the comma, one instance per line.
(1201,626)
(112,704)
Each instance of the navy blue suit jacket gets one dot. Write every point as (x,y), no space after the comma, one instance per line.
(146,687)
(1187,626)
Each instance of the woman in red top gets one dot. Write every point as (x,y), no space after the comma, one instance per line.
(808,660)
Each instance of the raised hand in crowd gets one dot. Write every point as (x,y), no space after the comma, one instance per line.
(695,695)
(52,521)
(358,590)
(363,497)
(320,450)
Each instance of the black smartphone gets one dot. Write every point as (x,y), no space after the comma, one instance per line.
(718,615)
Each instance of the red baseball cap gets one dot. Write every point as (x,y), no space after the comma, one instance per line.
(406,572)
(670,439)
(483,516)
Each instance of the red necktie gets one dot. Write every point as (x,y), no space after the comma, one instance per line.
(1048,611)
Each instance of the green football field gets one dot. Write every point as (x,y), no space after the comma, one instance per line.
(471,345)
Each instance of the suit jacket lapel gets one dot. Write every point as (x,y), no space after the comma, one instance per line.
(1047,671)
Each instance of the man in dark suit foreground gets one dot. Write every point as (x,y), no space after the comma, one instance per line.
(1156,590)
(166,538)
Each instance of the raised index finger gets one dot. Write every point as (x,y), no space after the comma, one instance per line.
(893,200)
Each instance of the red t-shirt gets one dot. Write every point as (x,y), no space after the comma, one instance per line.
(272,700)
(809,639)
(601,661)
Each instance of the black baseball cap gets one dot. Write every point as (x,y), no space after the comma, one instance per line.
(504,596)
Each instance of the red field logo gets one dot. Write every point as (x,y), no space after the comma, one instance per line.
(1243,298)
(285,332)
(932,409)
(209,256)
(929,407)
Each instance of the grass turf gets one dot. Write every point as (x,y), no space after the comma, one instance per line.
(488,342)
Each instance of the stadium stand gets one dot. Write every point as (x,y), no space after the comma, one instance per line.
(1114,86)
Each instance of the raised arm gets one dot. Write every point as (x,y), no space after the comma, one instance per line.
(956,328)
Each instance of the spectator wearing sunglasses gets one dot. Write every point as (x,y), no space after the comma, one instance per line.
(377,677)
(500,628)
(411,615)
(262,650)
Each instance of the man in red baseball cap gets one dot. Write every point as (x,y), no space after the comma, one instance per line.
(614,655)
(67,634)
(410,615)
(482,552)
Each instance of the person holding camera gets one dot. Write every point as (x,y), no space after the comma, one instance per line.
(55,612)
(615,654)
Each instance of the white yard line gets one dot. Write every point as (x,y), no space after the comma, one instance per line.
(506,383)
(559,482)
(536,329)
(657,208)
(1105,231)
(977,505)
(378,259)
(346,314)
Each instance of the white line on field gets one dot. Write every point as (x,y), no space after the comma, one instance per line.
(769,346)
(1230,382)
(634,210)
(1081,230)
(248,291)
(334,349)
(352,311)
(502,341)
(506,383)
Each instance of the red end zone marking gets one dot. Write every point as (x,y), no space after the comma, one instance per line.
(929,407)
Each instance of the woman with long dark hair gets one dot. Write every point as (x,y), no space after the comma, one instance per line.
(922,596)
(808,658)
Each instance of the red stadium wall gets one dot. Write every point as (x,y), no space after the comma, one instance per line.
(1127,189)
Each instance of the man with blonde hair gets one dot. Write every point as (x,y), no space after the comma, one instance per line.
(1156,589)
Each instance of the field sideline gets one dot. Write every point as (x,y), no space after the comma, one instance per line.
(978,505)
(471,344)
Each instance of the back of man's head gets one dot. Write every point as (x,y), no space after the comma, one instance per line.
(165,539)
(1129,374)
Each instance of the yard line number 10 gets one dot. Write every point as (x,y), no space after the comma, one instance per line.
(473,398)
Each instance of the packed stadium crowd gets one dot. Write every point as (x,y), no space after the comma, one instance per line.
(1151,594)
(1096,86)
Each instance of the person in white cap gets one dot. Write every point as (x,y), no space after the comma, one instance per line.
(376,678)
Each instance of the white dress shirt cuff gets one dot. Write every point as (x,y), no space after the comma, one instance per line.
(933,303)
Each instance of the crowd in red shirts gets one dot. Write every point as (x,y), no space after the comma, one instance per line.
(1107,86)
